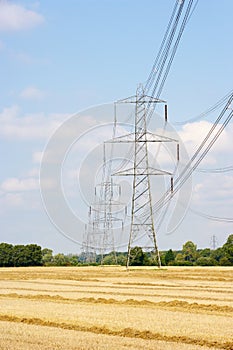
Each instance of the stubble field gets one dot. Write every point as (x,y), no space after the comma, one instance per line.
(111,308)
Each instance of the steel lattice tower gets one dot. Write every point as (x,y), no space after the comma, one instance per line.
(103,218)
(141,198)
(99,237)
(142,220)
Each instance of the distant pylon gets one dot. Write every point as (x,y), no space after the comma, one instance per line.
(142,220)
(99,236)
(103,218)
(213,242)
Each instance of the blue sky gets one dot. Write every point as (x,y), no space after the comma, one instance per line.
(58,57)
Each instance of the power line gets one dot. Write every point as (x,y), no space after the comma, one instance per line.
(166,55)
(216,170)
(211,217)
(198,156)
(144,108)
(204,114)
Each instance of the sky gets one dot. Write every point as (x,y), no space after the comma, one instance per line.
(58,58)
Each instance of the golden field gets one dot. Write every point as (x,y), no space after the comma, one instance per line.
(111,308)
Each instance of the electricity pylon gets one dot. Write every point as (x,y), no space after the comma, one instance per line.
(103,218)
(213,242)
(99,235)
(142,219)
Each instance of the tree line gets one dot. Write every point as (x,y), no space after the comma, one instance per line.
(20,255)
(189,255)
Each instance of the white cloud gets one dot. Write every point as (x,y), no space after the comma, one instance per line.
(15,17)
(32,93)
(13,200)
(8,114)
(34,172)
(20,201)
(214,189)
(192,134)
(37,157)
(28,127)
(19,185)
(39,126)
(23,193)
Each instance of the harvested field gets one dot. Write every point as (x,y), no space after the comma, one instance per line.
(111,308)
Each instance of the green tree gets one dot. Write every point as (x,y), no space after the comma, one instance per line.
(109,259)
(6,254)
(179,260)
(72,259)
(217,254)
(61,260)
(47,256)
(169,257)
(205,252)
(121,259)
(228,249)
(152,260)
(179,257)
(137,257)
(224,261)
(189,251)
(33,255)
(19,255)
(29,255)
(206,261)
